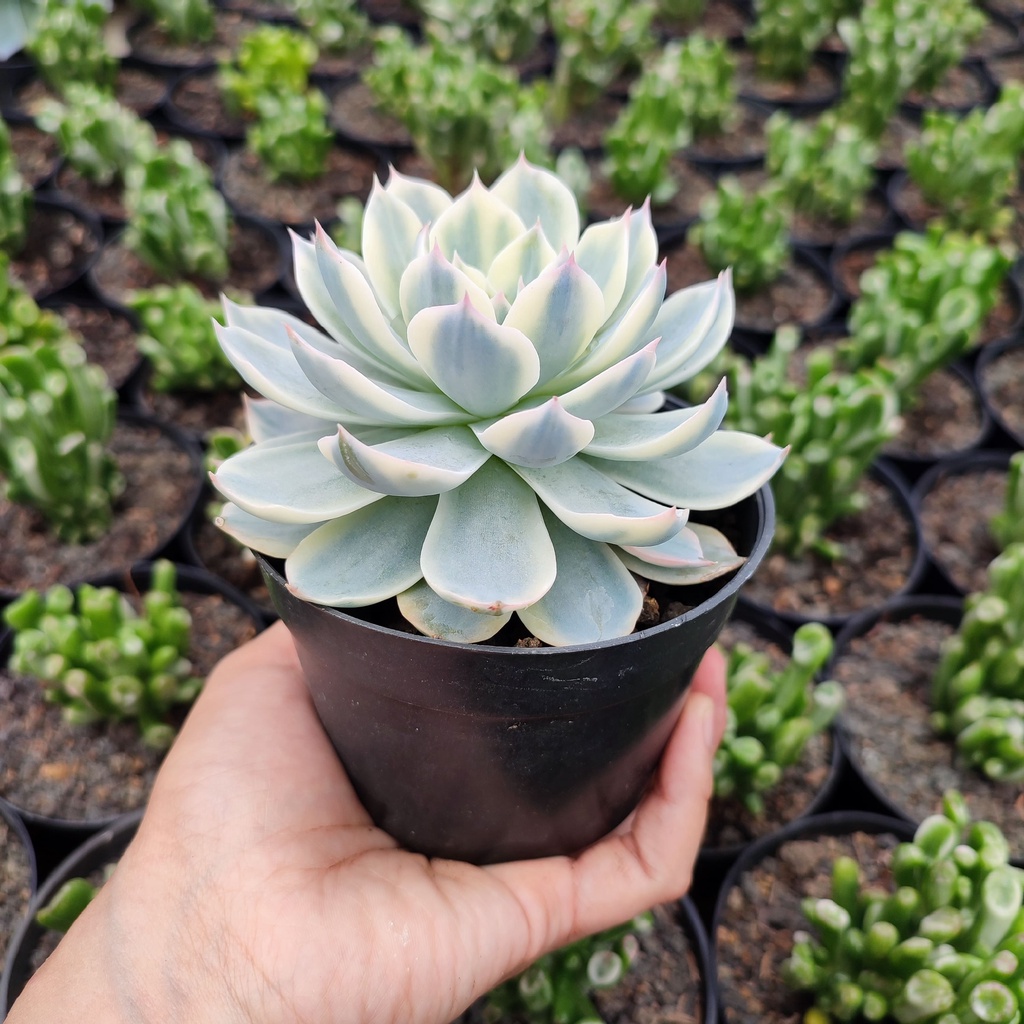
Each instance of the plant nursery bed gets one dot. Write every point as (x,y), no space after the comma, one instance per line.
(196,412)
(196,104)
(354,113)
(586,128)
(15,883)
(59,245)
(741,143)
(151,43)
(893,143)
(817,87)
(105,200)
(961,88)
(694,187)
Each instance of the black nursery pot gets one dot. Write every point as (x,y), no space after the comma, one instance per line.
(486,753)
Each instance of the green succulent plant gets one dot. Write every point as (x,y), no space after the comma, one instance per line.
(463,111)
(337,26)
(291,136)
(597,41)
(22,322)
(15,196)
(705,77)
(455,423)
(180,342)
(686,12)
(56,417)
(969,166)
(1007,526)
(771,715)
(272,59)
(946,946)
(66,905)
(347,231)
(557,989)
(98,137)
(786,33)
(67,44)
(101,659)
(824,169)
(746,231)
(923,303)
(977,690)
(177,221)
(185,21)
(505,31)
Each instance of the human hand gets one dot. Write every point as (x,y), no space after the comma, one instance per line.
(258,890)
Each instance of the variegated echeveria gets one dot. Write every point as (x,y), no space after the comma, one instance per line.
(478,432)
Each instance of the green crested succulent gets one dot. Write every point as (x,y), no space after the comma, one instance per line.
(337,26)
(22,322)
(100,659)
(969,166)
(686,12)
(705,77)
(923,303)
(505,31)
(824,169)
(347,230)
(15,196)
(746,231)
(786,33)
(68,45)
(98,137)
(271,59)
(291,136)
(463,111)
(771,715)
(944,946)
(66,905)
(978,690)
(557,989)
(451,438)
(185,21)
(1007,526)
(180,342)
(56,417)
(177,221)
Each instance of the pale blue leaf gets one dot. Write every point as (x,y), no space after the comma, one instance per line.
(521,260)
(543,436)
(609,390)
(430,280)
(278,540)
(390,231)
(537,194)
(435,617)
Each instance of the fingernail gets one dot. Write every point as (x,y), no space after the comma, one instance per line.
(705,713)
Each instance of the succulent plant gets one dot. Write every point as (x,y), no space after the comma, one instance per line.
(17,24)
(684,11)
(923,303)
(177,221)
(786,33)
(484,405)
(15,196)
(22,322)
(272,59)
(771,715)
(180,342)
(824,169)
(946,946)
(969,166)
(337,26)
(56,417)
(347,231)
(705,77)
(557,988)
(978,690)
(98,137)
(101,659)
(291,136)
(505,31)
(463,111)
(185,21)
(68,44)
(1007,526)
(746,231)
(66,905)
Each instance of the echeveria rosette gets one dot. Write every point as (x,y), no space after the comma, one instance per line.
(478,431)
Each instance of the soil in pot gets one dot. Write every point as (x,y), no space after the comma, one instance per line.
(819,86)
(899,131)
(160,488)
(36,152)
(1006,69)
(355,115)
(150,43)
(91,772)
(1000,380)
(960,89)
(743,142)
(196,412)
(878,556)
(245,183)
(15,883)
(955,513)
(762,911)
(196,103)
(586,127)
(135,89)
(108,338)
(59,244)
(887,674)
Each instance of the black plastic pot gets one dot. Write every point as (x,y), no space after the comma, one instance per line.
(987,94)
(13,836)
(716,164)
(486,753)
(1006,435)
(801,106)
(103,849)
(233,130)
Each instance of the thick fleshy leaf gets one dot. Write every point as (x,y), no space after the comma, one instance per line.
(661,435)
(643,254)
(596,507)
(645,404)
(478,277)
(483,366)
(356,303)
(535,193)
(683,551)
(390,230)
(364,557)
(715,545)
(542,436)
(501,307)
(430,280)
(559,312)
(727,467)
(426,199)
(603,253)
(477,226)
(289,483)
(278,540)
(594,596)
(434,616)
(607,392)
(427,462)
(682,577)
(487,548)
(521,260)
(366,399)
(265,420)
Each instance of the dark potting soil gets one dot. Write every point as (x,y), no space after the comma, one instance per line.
(720,20)
(887,675)
(135,89)
(946,417)
(755,931)
(851,264)
(957,90)
(995,37)
(743,140)
(103,200)
(107,337)
(331,65)
(955,515)
(198,105)
(226,558)
(36,152)
(817,85)
(354,113)
(1003,316)
(82,772)
(253,256)
(1001,384)
(58,247)
(196,412)
(603,202)
(400,12)
(1009,68)
(15,884)
(160,483)
(245,183)
(585,128)
(148,42)
(877,545)
(899,131)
